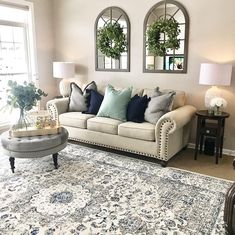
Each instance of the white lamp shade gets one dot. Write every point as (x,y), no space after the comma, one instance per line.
(63,69)
(215,74)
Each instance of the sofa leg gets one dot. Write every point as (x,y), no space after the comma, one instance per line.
(163,163)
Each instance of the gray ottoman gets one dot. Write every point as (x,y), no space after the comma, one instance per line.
(33,147)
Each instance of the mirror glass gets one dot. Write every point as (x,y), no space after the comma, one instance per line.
(103,62)
(171,59)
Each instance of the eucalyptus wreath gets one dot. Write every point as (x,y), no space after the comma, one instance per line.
(111,40)
(170,28)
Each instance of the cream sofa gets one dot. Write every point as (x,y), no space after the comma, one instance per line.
(161,141)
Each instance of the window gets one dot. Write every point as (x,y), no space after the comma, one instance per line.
(17,49)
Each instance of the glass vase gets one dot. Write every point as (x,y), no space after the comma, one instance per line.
(218,111)
(22,122)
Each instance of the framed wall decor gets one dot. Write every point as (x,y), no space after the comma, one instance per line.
(166,32)
(112,40)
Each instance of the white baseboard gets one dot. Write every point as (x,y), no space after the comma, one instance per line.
(228,152)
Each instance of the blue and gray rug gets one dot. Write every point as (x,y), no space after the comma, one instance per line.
(96,192)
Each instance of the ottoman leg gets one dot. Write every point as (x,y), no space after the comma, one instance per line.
(55,160)
(12,163)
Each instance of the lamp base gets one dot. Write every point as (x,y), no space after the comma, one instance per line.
(65,87)
(210,94)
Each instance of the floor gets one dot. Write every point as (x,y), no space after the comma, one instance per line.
(205,164)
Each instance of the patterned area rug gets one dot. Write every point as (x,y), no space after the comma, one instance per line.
(96,192)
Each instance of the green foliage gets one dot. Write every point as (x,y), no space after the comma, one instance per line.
(24,96)
(111,40)
(170,28)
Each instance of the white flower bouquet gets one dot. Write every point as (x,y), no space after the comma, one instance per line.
(217,104)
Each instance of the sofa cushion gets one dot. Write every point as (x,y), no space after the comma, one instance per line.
(103,124)
(179,99)
(78,98)
(142,131)
(95,101)
(77,102)
(135,91)
(158,106)
(75,119)
(92,86)
(136,108)
(115,103)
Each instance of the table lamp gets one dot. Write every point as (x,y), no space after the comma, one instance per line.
(214,75)
(64,70)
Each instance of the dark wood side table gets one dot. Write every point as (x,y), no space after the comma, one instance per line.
(213,126)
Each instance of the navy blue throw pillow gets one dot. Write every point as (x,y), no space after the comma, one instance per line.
(136,108)
(95,100)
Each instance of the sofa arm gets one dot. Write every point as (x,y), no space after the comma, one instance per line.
(170,123)
(57,106)
(178,117)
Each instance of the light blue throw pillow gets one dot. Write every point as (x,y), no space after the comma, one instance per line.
(115,103)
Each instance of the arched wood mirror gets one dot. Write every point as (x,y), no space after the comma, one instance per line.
(166,29)
(112,40)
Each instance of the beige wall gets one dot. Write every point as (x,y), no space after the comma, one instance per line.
(211,38)
(45,46)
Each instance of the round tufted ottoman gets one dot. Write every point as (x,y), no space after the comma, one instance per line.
(33,147)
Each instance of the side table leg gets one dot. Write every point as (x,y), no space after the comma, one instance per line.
(221,147)
(217,149)
(234,163)
(55,160)
(201,143)
(12,163)
(197,138)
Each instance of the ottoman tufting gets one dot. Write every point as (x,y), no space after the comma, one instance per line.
(34,146)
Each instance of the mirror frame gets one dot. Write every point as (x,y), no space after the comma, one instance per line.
(128,40)
(186,37)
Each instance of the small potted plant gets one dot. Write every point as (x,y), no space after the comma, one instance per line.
(24,97)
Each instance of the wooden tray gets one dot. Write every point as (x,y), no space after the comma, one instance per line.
(32,131)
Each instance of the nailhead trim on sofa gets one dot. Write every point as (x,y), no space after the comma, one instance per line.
(112,147)
(167,130)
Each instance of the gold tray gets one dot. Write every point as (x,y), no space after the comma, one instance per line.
(33,131)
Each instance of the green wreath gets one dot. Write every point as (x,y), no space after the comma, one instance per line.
(111,40)
(170,28)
